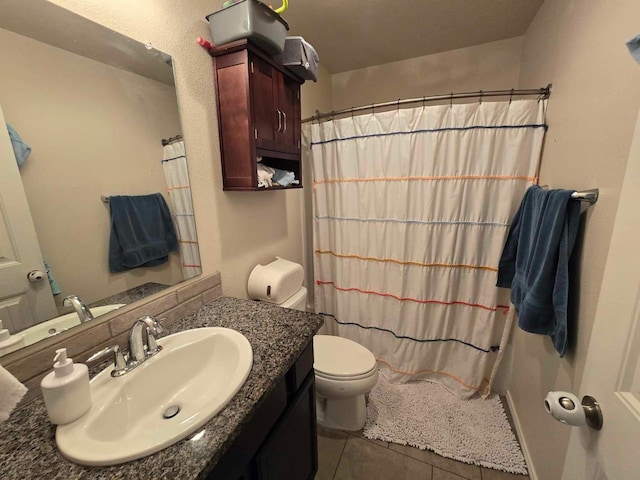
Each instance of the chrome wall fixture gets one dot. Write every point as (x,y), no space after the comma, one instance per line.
(589,196)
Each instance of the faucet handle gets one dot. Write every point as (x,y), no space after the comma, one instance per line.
(119,362)
(152,345)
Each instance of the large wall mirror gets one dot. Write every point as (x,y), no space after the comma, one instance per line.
(94,107)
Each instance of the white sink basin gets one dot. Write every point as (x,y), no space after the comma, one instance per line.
(198,370)
(60,324)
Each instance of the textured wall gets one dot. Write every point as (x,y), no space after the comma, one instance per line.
(491,66)
(236,230)
(579,47)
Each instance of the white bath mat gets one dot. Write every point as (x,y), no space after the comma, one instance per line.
(427,416)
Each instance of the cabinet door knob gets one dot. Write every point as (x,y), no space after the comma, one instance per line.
(279,120)
(284,115)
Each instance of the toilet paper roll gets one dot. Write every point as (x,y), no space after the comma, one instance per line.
(565,407)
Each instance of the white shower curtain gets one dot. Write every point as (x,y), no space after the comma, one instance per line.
(411,210)
(177,175)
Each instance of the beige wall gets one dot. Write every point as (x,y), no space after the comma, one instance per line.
(491,66)
(236,230)
(93,129)
(579,47)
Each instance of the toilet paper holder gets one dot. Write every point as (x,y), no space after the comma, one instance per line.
(566,408)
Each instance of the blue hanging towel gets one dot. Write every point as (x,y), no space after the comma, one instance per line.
(535,261)
(142,232)
(20,149)
(55,288)
(634,48)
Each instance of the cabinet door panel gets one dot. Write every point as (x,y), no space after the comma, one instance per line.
(264,97)
(291,449)
(234,126)
(289,105)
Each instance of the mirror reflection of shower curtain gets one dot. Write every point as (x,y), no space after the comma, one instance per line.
(411,210)
(177,175)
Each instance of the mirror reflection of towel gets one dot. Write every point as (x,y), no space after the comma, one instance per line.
(634,48)
(20,149)
(142,232)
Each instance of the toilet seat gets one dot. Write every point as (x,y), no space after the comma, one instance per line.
(341,359)
(343,378)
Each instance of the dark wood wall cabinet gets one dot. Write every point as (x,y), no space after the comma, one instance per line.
(279,442)
(258,104)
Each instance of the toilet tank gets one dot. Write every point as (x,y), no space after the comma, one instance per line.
(297,301)
(276,281)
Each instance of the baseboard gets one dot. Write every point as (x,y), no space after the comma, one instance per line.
(521,439)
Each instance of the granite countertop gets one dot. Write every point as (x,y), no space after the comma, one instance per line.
(277,336)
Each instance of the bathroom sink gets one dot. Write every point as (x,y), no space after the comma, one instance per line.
(60,324)
(197,372)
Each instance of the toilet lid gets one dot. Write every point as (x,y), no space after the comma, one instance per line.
(341,357)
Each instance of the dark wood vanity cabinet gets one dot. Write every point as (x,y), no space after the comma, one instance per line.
(258,104)
(279,442)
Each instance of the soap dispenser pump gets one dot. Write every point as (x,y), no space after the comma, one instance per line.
(66,390)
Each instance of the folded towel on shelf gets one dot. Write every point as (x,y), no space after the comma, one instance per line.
(20,149)
(265,176)
(535,261)
(142,232)
(11,392)
(283,177)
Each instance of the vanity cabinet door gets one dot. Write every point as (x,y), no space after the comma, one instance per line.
(290,451)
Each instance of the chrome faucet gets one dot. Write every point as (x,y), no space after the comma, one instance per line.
(137,351)
(79,306)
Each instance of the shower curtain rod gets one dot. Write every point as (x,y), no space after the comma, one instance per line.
(542,93)
(169,141)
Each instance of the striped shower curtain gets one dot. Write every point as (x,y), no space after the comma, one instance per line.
(411,211)
(177,176)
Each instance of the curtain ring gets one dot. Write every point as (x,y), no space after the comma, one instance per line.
(373,109)
(451,100)
(424,102)
(352,112)
(511,96)
(398,105)
(480,99)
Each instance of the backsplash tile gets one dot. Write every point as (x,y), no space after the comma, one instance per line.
(183,309)
(155,307)
(189,291)
(43,360)
(212,294)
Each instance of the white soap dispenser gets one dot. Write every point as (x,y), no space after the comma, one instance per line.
(66,390)
(8,342)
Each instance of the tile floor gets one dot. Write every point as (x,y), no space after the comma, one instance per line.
(350,456)
(343,456)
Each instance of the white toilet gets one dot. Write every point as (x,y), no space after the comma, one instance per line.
(345,370)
